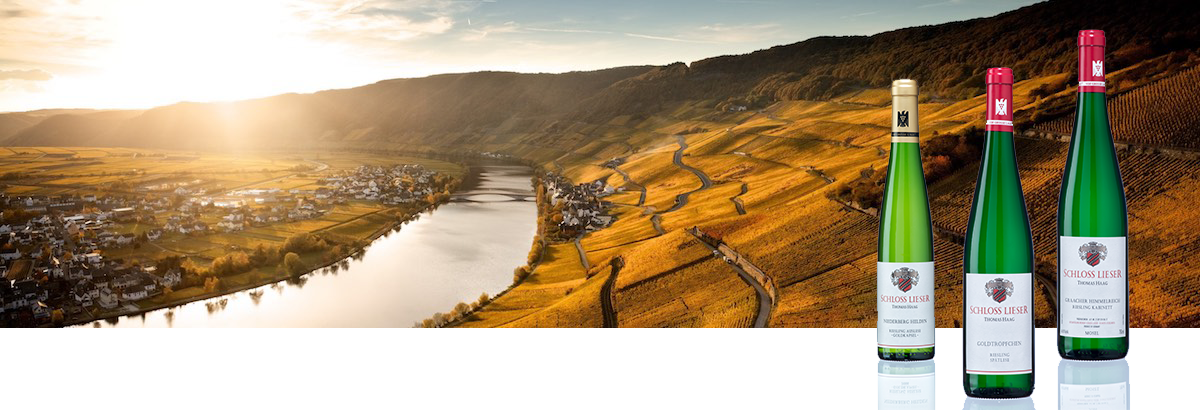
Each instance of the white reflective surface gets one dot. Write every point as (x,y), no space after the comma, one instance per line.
(1153,371)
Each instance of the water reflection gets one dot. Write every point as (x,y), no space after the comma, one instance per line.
(433,262)
(1025,403)
(906,385)
(1093,385)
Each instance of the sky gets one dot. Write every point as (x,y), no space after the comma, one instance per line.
(144,53)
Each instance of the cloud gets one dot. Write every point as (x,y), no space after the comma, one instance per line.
(938,4)
(568,30)
(738,33)
(664,38)
(860,14)
(365,22)
(27,75)
(475,34)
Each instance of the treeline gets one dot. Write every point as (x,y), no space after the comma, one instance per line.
(460,311)
(285,258)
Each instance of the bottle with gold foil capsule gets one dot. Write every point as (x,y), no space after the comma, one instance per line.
(998,262)
(1093,283)
(904,270)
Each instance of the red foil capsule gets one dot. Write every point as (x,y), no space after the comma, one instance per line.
(999,99)
(1091,61)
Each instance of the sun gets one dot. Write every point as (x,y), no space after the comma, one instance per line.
(166,52)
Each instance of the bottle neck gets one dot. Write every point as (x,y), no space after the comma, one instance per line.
(905,157)
(999,151)
(1091,120)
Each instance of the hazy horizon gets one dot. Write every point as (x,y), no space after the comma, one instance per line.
(137,54)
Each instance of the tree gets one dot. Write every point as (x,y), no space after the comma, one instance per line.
(461,309)
(520,273)
(211,284)
(293,264)
(303,242)
(231,264)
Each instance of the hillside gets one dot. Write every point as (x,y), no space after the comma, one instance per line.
(392,110)
(949,59)
(787,185)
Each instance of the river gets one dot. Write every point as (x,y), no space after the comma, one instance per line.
(428,265)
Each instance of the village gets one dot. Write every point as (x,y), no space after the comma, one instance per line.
(54,251)
(579,208)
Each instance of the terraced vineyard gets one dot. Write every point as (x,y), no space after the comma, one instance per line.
(1149,115)
(696,291)
(818,252)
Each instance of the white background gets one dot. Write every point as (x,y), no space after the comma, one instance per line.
(517,368)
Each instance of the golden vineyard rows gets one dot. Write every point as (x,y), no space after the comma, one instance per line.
(1151,115)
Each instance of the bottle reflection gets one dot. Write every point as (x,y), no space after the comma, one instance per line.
(906,385)
(1024,403)
(1093,385)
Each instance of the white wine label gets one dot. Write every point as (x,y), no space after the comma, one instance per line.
(1093,285)
(907,391)
(1093,396)
(998,326)
(905,304)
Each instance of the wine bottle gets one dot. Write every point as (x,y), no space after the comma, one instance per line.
(998,263)
(1093,291)
(904,271)
(906,385)
(1093,385)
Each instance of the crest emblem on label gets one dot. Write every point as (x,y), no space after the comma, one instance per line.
(1093,253)
(999,289)
(1001,106)
(901,118)
(905,278)
(1098,68)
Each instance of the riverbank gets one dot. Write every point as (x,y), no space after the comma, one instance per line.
(436,259)
(250,280)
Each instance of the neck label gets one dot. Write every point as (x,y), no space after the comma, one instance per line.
(1093,284)
(1091,69)
(905,127)
(999,108)
(998,324)
(904,300)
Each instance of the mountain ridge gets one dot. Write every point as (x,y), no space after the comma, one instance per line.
(949,59)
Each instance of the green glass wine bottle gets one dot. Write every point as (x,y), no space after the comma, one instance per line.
(1093,291)
(998,263)
(904,272)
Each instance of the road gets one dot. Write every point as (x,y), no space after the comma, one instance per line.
(583,260)
(606,299)
(705,182)
(764,299)
(642,199)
